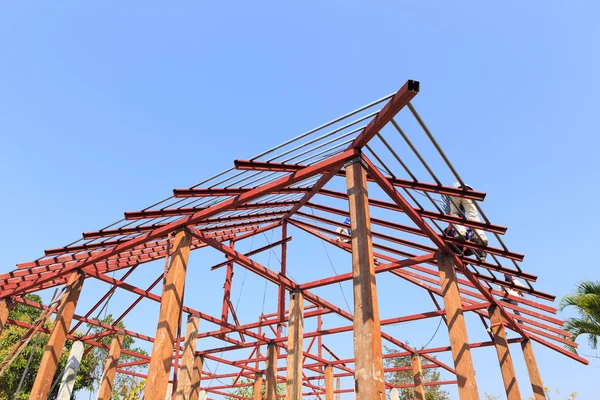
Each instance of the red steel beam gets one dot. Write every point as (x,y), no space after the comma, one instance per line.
(253,218)
(176,212)
(402,97)
(110,243)
(421,186)
(209,192)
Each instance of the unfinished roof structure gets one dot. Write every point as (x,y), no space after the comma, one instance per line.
(308,184)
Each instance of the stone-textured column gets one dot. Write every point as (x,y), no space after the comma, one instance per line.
(186,372)
(271,372)
(258,383)
(329,390)
(532,368)
(394,395)
(457,330)
(6,305)
(338,386)
(368,375)
(415,361)
(198,364)
(56,342)
(511,386)
(65,391)
(170,311)
(295,346)
(110,368)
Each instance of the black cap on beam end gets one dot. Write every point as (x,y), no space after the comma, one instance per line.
(413,86)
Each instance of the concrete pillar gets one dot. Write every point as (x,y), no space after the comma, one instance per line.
(338,386)
(394,395)
(171,305)
(65,391)
(258,382)
(110,368)
(368,375)
(186,372)
(168,395)
(329,390)
(415,361)
(295,346)
(271,372)
(6,305)
(56,342)
(457,330)
(532,368)
(511,386)
(198,364)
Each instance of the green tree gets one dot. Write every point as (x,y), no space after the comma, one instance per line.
(248,390)
(586,299)
(406,377)
(90,368)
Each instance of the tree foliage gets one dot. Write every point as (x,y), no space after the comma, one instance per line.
(246,389)
(586,299)
(90,369)
(406,377)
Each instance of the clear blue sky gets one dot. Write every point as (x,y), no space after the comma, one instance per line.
(105,108)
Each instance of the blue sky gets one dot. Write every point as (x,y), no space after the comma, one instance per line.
(107,107)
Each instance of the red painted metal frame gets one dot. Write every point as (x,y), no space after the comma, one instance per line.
(111,250)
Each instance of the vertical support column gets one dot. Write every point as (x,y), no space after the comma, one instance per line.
(258,382)
(271,372)
(368,375)
(110,368)
(170,311)
(65,391)
(329,382)
(6,305)
(457,330)
(56,342)
(281,293)
(198,365)
(295,346)
(186,373)
(338,386)
(511,386)
(415,361)
(534,373)
(227,286)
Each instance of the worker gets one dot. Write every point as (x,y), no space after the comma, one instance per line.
(461,249)
(344,230)
(463,208)
(347,232)
(512,291)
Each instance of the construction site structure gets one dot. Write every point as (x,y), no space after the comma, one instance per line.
(356,165)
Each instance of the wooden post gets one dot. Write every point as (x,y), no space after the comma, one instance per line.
(368,375)
(198,365)
(511,386)
(534,373)
(6,305)
(457,330)
(186,373)
(110,368)
(271,372)
(56,342)
(329,382)
(295,346)
(170,311)
(415,360)
(258,382)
